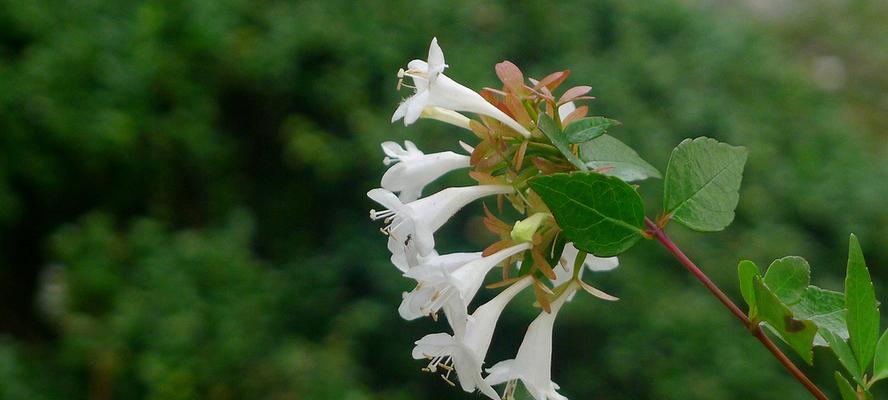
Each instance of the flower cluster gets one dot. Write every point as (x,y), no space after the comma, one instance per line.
(531,252)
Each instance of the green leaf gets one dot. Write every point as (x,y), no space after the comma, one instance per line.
(619,160)
(845,388)
(602,215)
(824,308)
(798,334)
(863,311)
(702,183)
(747,270)
(586,129)
(880,364)
(558,138)
(787,278)
(841,349)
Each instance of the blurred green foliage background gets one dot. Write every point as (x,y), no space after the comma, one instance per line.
(182,188)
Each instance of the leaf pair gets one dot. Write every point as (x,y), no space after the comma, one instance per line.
(604,216)
(803,316)
(795,311)
(597,150)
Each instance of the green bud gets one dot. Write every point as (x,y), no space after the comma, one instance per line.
(523,230)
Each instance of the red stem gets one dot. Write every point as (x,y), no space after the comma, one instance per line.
(756,330)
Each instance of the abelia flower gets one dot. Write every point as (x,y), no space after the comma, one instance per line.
(413,169)
(465,353)
(411,226)
(533,364)
(437,286)
(434,89)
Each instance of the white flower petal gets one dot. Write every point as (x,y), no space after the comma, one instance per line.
(436,60)
(434,89)
(415,104)
(444,285)
(411,226)
(414,169)
(401,111)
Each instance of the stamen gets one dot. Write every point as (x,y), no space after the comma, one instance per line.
(448,381)
(442,361)
(375,215)
(509,391)
(402,84)
(413,73)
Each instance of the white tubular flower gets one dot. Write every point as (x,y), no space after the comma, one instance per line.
(465,353)
(533,364)
(435,265)
(431,268)
(445,115)
(413,169)
(437,287)
(434,89)
(564,272)
(411,226)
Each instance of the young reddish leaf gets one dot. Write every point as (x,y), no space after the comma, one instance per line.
(553,80)
(519,156)
(511,76)
(500,129)
(496,225)
(597,293)
(544,94)
(517,110)
(492,92)
(574,93)
(543,265)
(551,110)
(481,150)
(502,244)
(546,289)
(540,293)
(484,178)
(479,129)
(579,113)
(490,161)
(493,97)
(504,282)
